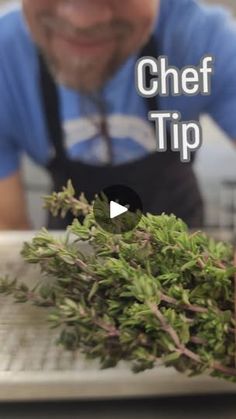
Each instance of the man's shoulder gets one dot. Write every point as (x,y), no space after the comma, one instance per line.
(191,9)
(13,30)
(10,20)
(188,29)
(17,49)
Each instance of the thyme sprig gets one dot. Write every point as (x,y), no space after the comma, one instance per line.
(156,295)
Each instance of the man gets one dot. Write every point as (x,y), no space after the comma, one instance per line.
(68,97)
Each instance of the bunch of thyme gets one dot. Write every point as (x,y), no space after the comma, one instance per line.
(156,295)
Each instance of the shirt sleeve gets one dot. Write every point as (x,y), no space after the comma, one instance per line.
(9,151)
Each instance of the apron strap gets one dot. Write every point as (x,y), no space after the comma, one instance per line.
(51,108)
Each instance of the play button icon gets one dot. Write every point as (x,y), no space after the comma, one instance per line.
(117,209)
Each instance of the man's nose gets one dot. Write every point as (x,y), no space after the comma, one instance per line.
(85,13)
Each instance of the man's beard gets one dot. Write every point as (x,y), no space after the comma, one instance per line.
(86,75)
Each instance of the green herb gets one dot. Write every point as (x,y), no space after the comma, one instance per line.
(156,295)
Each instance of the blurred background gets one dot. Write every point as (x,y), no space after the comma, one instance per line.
(216,163)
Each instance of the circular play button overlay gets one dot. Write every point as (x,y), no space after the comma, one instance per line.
(118,209)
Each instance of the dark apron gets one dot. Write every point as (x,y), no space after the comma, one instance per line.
(162,181)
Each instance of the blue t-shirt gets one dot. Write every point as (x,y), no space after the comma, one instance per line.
(186,30)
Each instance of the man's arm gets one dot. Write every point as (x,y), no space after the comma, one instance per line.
(13,212)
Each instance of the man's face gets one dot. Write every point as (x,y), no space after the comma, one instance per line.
(86,41)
